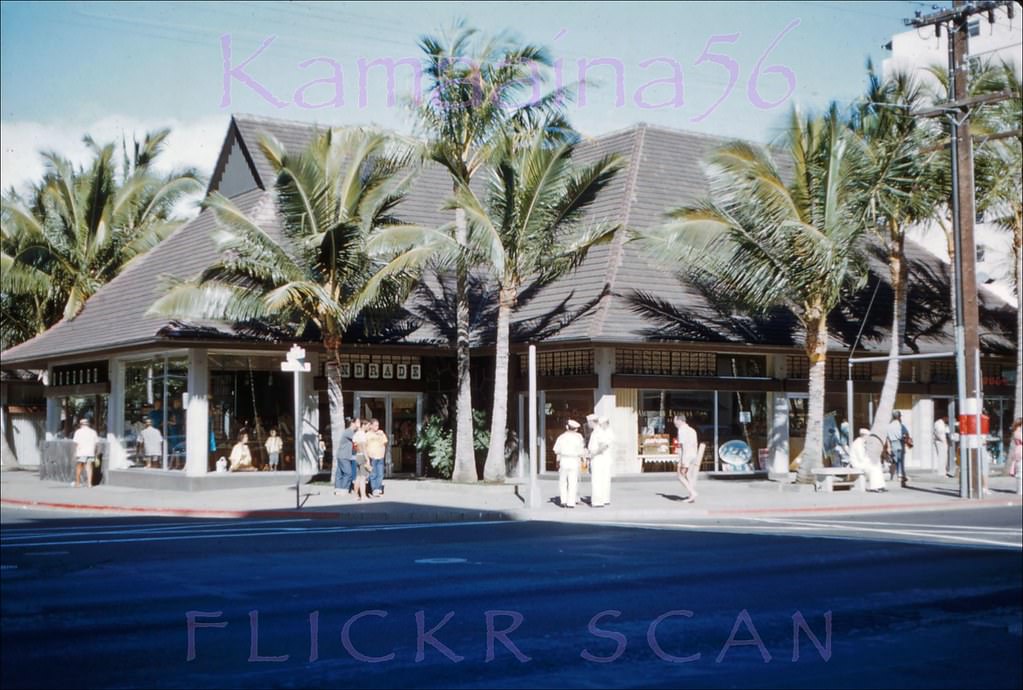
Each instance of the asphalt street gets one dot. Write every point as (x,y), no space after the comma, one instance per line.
(912,600)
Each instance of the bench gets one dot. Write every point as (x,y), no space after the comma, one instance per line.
(827,478)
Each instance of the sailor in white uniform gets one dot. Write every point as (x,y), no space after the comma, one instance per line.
(570,448)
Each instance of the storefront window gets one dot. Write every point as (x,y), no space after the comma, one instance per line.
(155,390)
(657,432)
(742,366)
(743,417)
(75,408)
(249,394)
(999,438)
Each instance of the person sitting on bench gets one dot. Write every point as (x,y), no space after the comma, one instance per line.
(859,459)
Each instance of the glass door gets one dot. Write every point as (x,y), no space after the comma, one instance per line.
(559,407)
(400,416)
(402,431)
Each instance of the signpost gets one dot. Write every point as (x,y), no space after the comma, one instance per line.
(534,485)
(296,363)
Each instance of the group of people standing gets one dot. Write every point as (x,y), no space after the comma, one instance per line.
(894,444)
(575,452)
(897,440)
(361,455)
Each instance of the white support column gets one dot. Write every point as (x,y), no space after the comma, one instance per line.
(310,418)
(779,442)
(922,432)
(197,426)
(604,396)
(625,426)
(115,419)
(52,411)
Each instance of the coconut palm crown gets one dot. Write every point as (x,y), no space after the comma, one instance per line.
(526,228)
(80,226)
(316,280)
(479,93)
(767,239)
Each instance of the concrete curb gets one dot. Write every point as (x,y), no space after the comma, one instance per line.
(428,514)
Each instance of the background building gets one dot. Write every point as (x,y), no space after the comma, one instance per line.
(622,335)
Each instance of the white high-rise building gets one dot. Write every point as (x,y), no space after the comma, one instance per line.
(1000,41)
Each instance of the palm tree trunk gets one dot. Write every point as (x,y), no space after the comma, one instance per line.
(465,453)
(495,468)
(883,414)
(817,353)
(336,400)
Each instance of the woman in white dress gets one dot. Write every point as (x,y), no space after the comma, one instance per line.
(601,449)
(859,459)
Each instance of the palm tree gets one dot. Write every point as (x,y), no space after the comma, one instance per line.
(527,230)
(1002,193)
(79,227)
(765,242)
(474,100)
(316,279)
(899,187)
(997,163)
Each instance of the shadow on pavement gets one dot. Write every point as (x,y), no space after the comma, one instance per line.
(932,490)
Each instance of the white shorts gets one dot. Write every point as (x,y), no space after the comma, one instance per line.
(85,460)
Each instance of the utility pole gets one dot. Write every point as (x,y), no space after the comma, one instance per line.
(967,341)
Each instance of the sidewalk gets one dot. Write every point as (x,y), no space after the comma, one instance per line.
(639,498)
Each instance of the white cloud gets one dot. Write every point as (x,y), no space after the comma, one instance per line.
(191,144)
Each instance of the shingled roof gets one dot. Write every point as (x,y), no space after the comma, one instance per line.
(617,294)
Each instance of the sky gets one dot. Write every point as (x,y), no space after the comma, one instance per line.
(121,69)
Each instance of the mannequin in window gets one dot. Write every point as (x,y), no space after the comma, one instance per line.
(241,458)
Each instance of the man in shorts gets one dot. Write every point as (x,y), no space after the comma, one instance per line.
(85,452)
(689,456)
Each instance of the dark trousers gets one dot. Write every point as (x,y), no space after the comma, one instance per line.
(346,471)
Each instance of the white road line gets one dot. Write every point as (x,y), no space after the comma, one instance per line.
(138,529)
(706,527)
(806,527)
(908,524)
(894,532)
(232,535)
(84,527)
